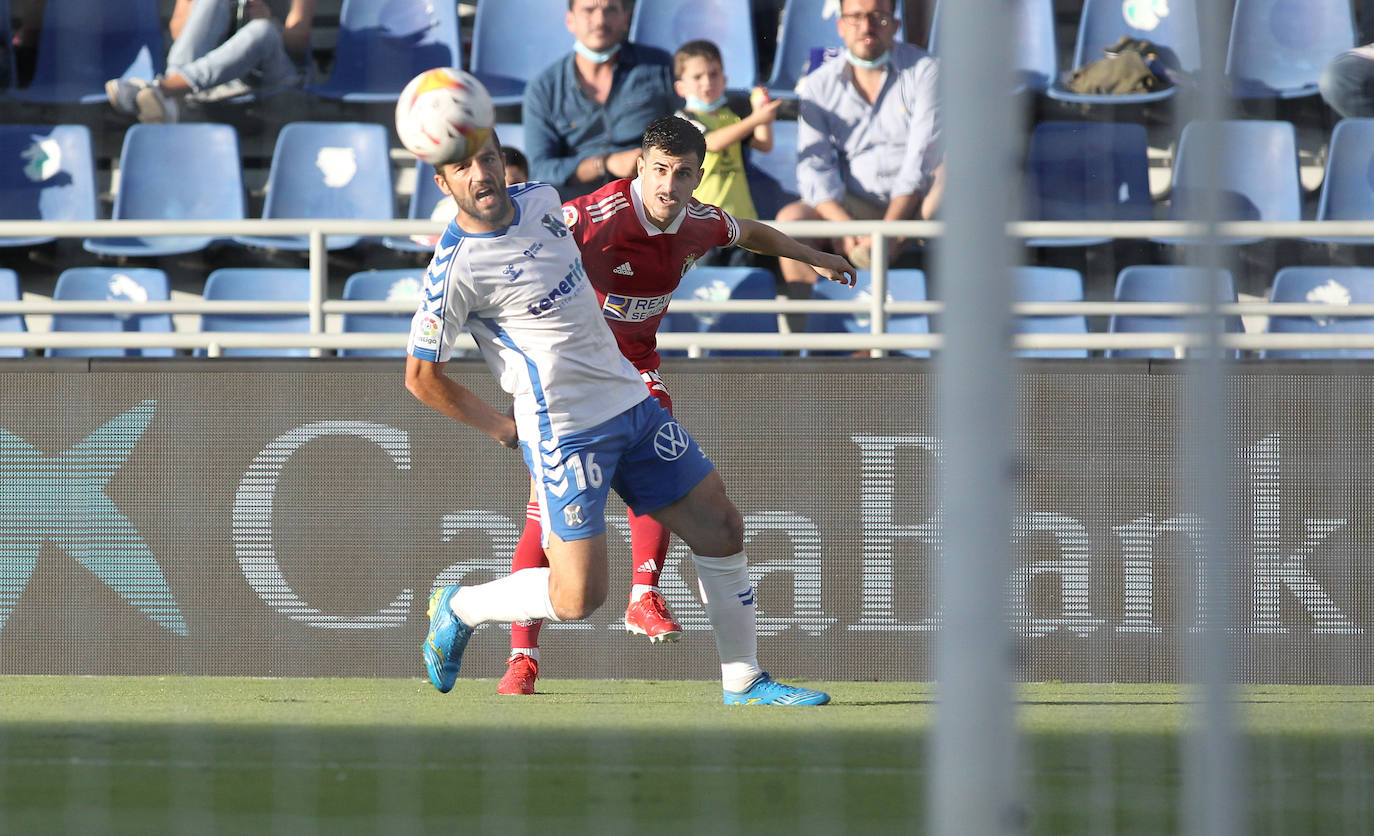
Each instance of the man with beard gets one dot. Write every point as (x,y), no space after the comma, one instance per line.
(582,419)
(638,238)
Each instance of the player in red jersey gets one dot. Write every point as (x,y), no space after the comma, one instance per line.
(638,238)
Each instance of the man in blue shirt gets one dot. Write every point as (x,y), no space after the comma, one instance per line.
(584,115)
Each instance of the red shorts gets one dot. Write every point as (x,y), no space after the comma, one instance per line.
(657,389)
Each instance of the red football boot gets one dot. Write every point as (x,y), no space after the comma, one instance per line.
(521,672)
(649,616)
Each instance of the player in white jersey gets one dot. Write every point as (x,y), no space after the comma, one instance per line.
(507,268)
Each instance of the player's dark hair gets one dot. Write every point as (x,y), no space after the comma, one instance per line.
(695,49)
(514,157)
(675,137)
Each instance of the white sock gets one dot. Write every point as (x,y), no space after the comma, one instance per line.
(519,596)
(637,591)
(532,652)
(729,600)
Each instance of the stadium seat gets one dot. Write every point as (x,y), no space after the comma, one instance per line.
(155,166)
(1165,283)
(803,28)
(1330,285)
(375,285)
(1278,48)
(1050,284)
(382,46)
(1258,174)
(1082,171)
(668,24)
(84,43)
(327,170)
(1348,184)
(258,284)
(772,176)
(713,284)
(1036,61)
(1101,23)
(505,64)
(115,284)
(11,323)
(902,286)
(47,173)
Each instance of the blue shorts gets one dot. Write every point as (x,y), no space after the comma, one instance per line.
(643,453)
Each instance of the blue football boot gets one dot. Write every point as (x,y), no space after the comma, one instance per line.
(768,691)
(447,637)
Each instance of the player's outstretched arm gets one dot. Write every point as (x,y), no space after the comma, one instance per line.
(765,240)
(427,382)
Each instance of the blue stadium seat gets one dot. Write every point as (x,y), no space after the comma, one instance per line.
(772,176)
(155,166)
(380,285)
(1331,285)
(713,284)
(1036,61)
(1278,48)
(327,170)
(1083,171)
(84,43)
(902,286)
(1258,174)
(47,173)
(258,284)
(803,29)
(1050,284)
(382,46)
(1348,184)
(115,284)
(11,323)
(668,24)
(1165,283)
(506,64)
(1102,22)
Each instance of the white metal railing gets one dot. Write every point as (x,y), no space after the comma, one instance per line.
(878,341)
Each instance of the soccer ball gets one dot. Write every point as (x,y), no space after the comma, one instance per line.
(444,115)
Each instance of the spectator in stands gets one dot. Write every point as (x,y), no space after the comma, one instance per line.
(517,167)
(585,114)
(867,132)
(216,52)
(1347,83)
(700,80)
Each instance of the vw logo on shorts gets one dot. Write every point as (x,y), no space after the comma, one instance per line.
(671,441)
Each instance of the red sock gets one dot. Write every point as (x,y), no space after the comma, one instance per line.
(529,554)
(648,546)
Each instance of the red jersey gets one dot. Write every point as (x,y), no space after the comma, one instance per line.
(633,265)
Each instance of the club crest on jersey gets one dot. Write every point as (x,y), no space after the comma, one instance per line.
(572,515)
(555,226)
(689,262)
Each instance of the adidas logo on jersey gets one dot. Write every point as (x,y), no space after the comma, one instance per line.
(624,269)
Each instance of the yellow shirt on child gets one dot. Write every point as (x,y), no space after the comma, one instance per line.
(723,182)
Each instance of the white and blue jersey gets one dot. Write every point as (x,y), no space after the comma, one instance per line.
(524,296)
(586,423)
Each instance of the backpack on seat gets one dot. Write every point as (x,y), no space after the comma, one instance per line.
(1131,65)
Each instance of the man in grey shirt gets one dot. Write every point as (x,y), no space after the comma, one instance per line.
(867,136)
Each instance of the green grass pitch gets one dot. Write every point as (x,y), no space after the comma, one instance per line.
(210,755)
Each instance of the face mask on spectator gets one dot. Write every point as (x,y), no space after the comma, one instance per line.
(594,56)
